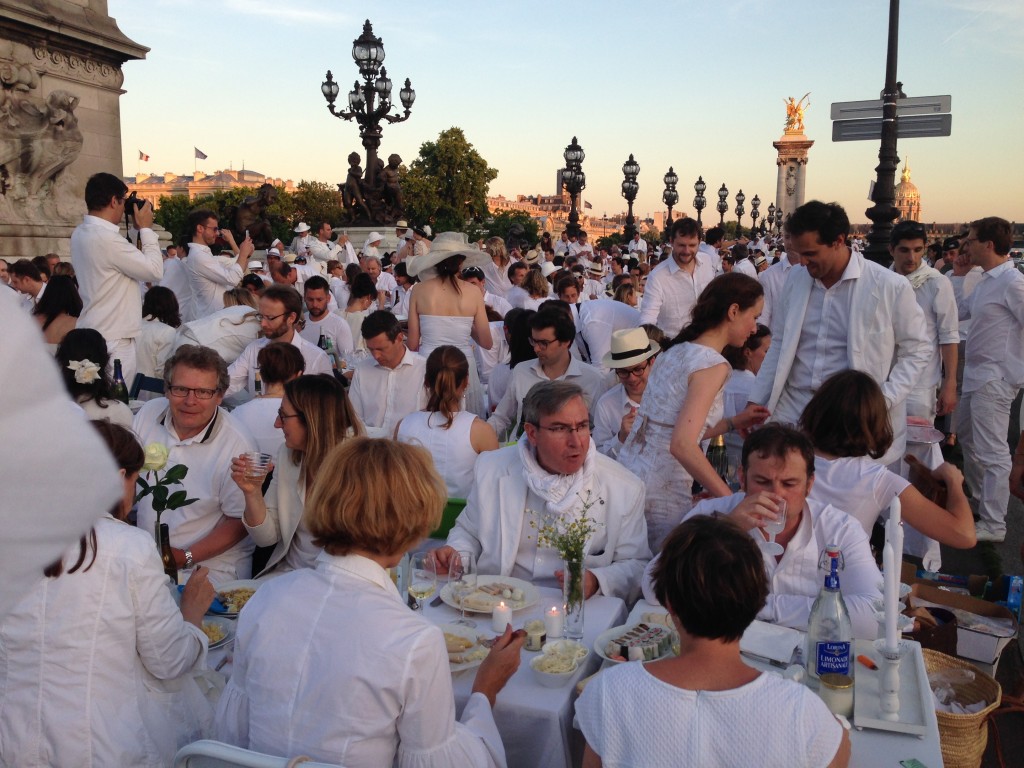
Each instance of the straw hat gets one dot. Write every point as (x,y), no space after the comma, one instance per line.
(445,245)
(532,256)
(254,265)
(630,347)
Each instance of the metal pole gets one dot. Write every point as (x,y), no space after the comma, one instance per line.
(883,212)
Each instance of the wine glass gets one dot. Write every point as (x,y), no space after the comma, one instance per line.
(422,576)
(462,581)
(774,528)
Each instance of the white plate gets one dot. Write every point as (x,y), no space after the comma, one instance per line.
(923,434)
(253,584)
(530,594)
(606,637)
(227,625)
(470,634)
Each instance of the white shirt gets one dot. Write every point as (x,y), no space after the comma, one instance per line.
(772,280)
(795,581)
(334,327)
(598,319)
(300,243)
(258,417)
(637,246)
(153,346)
(243,371)
(865,487)
(104,639)
(383,396)
(712,253)
(995,345)
(671,293)
(963,287)
(487,359)
(208,458)
(496,278)
(497,303)
(324,250)
(607,415)
(176,278)
(746,267)
(508,412)
(209,277)
(108,269)
(936,300)
(392,703)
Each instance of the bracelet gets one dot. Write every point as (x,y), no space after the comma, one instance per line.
(188,558)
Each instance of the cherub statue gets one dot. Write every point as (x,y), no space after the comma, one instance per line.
(795,111)
(351,194)
(392,190)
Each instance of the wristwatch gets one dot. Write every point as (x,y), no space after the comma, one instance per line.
(188,558)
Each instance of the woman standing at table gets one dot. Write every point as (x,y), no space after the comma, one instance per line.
(95,661)
(388,698)
(705,706)
(683,404)
(315,415)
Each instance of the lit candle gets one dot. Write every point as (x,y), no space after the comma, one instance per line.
(553,622)
(501,616)
(891,595)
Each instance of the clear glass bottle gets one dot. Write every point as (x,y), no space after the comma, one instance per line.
(257,383)
(829,631)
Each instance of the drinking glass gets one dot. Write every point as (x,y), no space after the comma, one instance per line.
(422,576)
(462,580)
(774,528)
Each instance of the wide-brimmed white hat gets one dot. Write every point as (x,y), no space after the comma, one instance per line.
(596,268)
(303,227)
(254,265)
(532,256)
(630,347)
(548,268)
(446,245)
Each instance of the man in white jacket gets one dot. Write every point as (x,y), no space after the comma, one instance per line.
(553,472)
(841,312)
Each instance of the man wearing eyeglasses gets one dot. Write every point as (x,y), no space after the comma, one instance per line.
(280,311)
(209,276)
(549,475)
(552,333)
(630,357)
(204,438)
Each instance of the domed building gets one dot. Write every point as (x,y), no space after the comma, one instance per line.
(908,199)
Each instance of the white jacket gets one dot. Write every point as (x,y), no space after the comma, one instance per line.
(491,523)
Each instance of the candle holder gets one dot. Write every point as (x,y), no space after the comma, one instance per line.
(889,682)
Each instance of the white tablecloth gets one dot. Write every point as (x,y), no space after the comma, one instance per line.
(536,722)
(869,748)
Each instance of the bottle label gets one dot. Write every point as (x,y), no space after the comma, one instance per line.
(833,657)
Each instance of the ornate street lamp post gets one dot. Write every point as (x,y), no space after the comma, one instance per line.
(575,181)
(670,197)
(771,216)
(630,169)
(754,214)
(699,202)
(369,102)
(723,205)
(740,197)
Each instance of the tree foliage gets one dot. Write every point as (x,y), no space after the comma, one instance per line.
(174,210)
(446,185)
(499,225)
(316,202)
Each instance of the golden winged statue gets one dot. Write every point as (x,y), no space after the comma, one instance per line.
(795,111)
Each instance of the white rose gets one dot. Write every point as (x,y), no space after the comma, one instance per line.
(156,457)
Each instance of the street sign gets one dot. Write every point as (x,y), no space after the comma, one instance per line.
(911,105)
(912,127)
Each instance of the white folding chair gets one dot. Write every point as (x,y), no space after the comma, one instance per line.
(208,753)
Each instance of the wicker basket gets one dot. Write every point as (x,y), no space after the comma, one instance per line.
(963,737)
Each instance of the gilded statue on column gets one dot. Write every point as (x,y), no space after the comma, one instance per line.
(795,111)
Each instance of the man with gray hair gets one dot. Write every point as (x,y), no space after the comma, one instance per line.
(203,437)
(554,473)
(387,287)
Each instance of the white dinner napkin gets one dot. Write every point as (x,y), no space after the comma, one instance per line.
(771,641)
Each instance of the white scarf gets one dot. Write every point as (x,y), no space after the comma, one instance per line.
(921,275)
(558,491)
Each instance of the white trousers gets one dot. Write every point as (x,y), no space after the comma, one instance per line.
(123,350)
(982,424)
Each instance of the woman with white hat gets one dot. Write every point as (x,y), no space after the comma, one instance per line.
(440,312)
(631,357)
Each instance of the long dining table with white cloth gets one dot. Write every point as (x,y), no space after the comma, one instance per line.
(535,722)
(869,748)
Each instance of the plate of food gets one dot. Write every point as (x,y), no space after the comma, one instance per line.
(219,631)
(233,595)
(491,590)
(464,648)
(637,642)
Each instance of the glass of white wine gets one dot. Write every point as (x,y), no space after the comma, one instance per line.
(774,528)
(462,580)
(422,576)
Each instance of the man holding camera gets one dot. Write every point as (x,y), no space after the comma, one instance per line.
(109,268)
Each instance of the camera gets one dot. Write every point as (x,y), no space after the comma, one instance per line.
(133,203)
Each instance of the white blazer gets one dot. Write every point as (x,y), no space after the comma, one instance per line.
(491,523)
(887,341)
(285,499)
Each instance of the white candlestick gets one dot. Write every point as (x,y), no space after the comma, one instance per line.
(891,595)
(501,616)
(896,530)
(553,622)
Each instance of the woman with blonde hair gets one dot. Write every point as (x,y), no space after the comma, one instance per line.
(496,278)
(453,436)
(538,289)
(390,702)
(315,415)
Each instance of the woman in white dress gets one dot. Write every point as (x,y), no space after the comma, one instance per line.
(441,312)
(279,362)
(315,416)
(453,436)
(495,269)
(96,659)
(160,320)
(83,359)
(330,662)
(682,404)
(706,706)
(848,422)
(746,362)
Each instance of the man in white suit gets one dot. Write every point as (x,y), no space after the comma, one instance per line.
(552,473)
(841,311)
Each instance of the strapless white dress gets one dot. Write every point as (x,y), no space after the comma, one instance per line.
(439,330)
